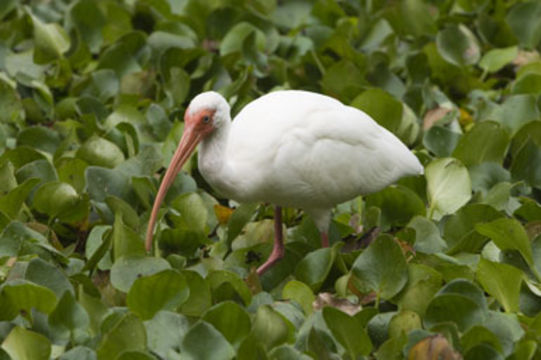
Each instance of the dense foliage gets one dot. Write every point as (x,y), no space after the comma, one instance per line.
(92,95)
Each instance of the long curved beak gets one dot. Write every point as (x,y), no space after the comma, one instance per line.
(186,147)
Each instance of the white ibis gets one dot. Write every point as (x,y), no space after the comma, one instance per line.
(288,148)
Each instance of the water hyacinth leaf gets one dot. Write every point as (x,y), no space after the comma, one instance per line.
(69,315)
(200,296)
(381,106)
(524,21)
(51,41)
(12,203)
(441,140)
(527,84)
(423,283)
(89,21)
(48,275)
(487,141)
(231,320)
(458,45)
(40,138)
(526,164)
(398,204)
(204,342)
(165,290)
(238,219)
(348,332)
(125,54)
(508,234)
(79,353)
(459,230)
(127,269)
(448,186)
(372,270)
(314,267)
(55,198)
(24,344)
(270,328)
(193,213)
(301,293)
(165,331)
(25,296)
(126,334)
(427,235)
(226,284)
(459,302)
(501,281)
(100,152)
(517,111)
(495,59)
(126,241)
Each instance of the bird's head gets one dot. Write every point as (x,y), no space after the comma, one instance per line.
(207,112)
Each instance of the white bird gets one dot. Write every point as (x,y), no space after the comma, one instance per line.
(289,148)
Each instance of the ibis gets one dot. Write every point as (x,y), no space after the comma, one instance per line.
(289,148)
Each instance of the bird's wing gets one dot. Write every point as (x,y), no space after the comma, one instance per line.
(317,152)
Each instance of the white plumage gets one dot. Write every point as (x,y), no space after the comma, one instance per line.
(296,149)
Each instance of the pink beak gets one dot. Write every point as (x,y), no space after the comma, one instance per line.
(186,147)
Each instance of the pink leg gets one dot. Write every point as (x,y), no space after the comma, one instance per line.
(324,239)
(278,249)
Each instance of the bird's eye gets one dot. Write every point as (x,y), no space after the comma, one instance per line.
(206,119)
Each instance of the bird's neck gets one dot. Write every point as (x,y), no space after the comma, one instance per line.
(212,158)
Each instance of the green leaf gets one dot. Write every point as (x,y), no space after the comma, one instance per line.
(126,241)
(270,328)
(26,296)
(495,59)
(193,213)
(12,203)
(203,342)
(460,302)
(458,45)
(314,267)
(348,331)
(527,84)
(56,199)
(22,344)
(126,334)
(100,152)
(51,41)
(78,353)
(508,234)
(46,274)
(427,236)
(423,283)
(448,186)
(87,18)
(487,141)
(398,204)
(164,290)
(200,297)
(231,320)
(501,281)
(240,217)
(69,315)
(524,20)
(381,106)
(373,272)
(225,285)
(165,332)
(127,269)
(301,293)
(459,230)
